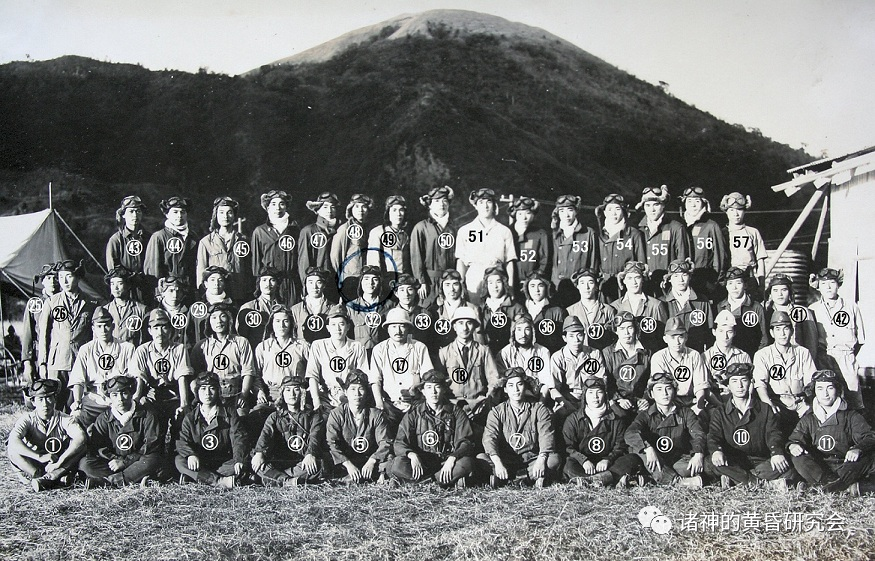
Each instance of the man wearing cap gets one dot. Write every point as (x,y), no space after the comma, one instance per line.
(719,356)
(315,304)
(665,240)
(840,332)
(358,435)
(396,365)
(252,317)
(227,248)
(710,253)
(471,366)
(127,314)
(779,298)
(570,365)
(483,243)
(213,292)
(163,370)
(744,437)
(685,365)
(127,246)
(230,357)
(619,242)
(668,436)
(331,359)
(518,440)
(452,295)
(172,293)
(627,364)
(683,302)
(406,297)
(750,335)
(274,246)
(435,438)
(532,245)
(593,435)
(290,448)
(432,243)
(314,242)
(98,360)
(538,294)
(833,446)
(125,443)
(212,448)
(650,312)
(45,445)
(48,278)
(281,354)
(746,247)
(172,250)
(594,314)
(781,371)
(526,353)
(349,244)
(574,245)
(393,243)
(365,311)
(65,325)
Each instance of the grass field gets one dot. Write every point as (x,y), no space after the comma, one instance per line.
(424,522)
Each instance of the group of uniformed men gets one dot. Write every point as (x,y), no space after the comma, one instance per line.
(483,352)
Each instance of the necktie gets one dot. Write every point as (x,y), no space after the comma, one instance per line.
(465,353)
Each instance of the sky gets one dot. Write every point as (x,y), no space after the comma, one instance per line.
(800,71)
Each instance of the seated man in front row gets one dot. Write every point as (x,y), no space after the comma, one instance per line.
(126,445)
(832,446)
(45,445)
(744,438)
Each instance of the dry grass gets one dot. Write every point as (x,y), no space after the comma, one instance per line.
(562,522)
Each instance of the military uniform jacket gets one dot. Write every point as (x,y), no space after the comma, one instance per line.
(301,313)
(833,438)
(427,258)
(627,376)
(604,442)
(503,316)
(474,378)
(574,253)
(556,315)
(309,256)
(525,433)
(251,321)
(348,440)
(347,254)
(268,252)
(160,262)
(219,441)
(672,435)
(698,317)
(288,436)
(602,316)
(233,256)
(617,250)
(754,434)
(140,436)
(708,245)
(533,247)
(30,328)
(435,435)
(670,241)
(60,339)
(748,338)
(121,249)
(30,430)
(130,321)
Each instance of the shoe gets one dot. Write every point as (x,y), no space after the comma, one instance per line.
(801,487)
(462,483)
(291,482)
(382,480)
(853,489)
(41,484)
(95,482)
(67,480)
(226,482)
(540,483)
(579,481)
(694,482)
(639,480)
(778,485)
(725,482)
(493,481)
(147,482)
(183,479)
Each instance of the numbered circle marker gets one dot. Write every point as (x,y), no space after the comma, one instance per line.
(399,365)
(178,321)
(34,305)
(199,310)
(547,327)
(718,362)
(283,359)
(682,373)
(442,326)
(162,366)
(60,314)
(315,323)
(627,373)
(595,331)
(741,437)
(799,314)
(134,323)
(648,324)
(422,321)
(175,245)
(355,232)
(296,443)
(750,318)
(777,372)
(388,239)
(253,318)
(430,438)
(697,317)
(498,320)
(241,248)
(124,442)
(318,240)
(106,362)
(460,375)
(373,320)
(826,443)
(590,366)
(517,440)
(221,362)
(134,247)
(337,364)
(209,441)
(53,445)
(536,364)
(841,318)
(360,444)
(596,445)
(286,242)
(446,240)
(664,444)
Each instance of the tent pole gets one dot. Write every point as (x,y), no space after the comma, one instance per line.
(64,222)
(5,274)
(50,195)
(770,263)
(820,224)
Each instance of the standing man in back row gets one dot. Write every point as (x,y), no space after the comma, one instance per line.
(433,243)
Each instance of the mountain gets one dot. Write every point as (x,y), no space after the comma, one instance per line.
(443,97)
